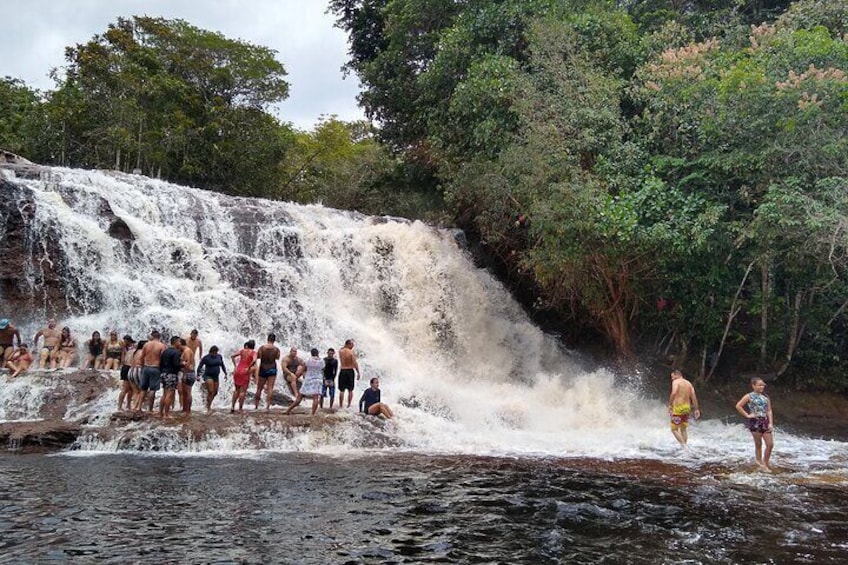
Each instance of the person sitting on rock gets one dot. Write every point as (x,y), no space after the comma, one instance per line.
(67,349)
(8,333)
(94,358)
(114,352)
(19,361)
(51,348)
(370,403)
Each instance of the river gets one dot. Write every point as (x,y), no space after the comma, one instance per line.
(395,508)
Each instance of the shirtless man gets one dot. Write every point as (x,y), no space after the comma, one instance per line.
(8,333)
(293,368)
(151,376)
(268,355)
(50,347)
(681,402)
(193,342)
(187,376)
(348,367)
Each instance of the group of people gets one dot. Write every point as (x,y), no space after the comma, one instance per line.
(147,365)
(59,349)
(755,407)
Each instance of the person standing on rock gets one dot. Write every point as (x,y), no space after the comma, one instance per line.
(187,377)
(311,382)
(756,408)
(134,375)
(268,355)
(19,361)
(209,369)
(127,348)
(8,333)
(151,375)
(243,360)
(349,369)
(681,402)
(293,368)
(193,342)
(331,367)
(50,347)
(170,364)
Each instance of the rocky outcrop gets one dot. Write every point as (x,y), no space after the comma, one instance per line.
(70,418)
(38,437)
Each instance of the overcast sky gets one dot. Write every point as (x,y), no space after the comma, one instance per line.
(34,34)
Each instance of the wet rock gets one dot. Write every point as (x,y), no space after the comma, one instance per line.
(38,437)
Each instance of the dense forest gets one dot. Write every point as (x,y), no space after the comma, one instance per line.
(668,177)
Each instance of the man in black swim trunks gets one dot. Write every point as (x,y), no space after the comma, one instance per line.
(349,368)
(268,355)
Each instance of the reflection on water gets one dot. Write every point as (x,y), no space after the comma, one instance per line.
(408,509)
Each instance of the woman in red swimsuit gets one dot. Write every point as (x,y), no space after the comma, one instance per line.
(241,377)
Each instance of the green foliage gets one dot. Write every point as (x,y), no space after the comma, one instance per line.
(19,113)
(174,101)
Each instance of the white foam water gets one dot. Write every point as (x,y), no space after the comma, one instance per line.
(460,363)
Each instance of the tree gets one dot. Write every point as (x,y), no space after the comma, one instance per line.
(173,100)
(19,111)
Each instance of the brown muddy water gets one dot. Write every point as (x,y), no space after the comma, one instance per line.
(399,508)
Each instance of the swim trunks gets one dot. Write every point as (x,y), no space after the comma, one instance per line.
(150,378)
(134,376)
(265,373)
(680,416)
(759,425)
(125,372)
(346,378)
(189,377)
(170,380)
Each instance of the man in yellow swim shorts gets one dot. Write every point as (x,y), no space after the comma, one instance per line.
(680,403)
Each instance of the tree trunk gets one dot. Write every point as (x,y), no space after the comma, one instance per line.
(765,265)
(734,310)
(795,332)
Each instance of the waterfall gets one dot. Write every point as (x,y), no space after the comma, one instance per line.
(460,362)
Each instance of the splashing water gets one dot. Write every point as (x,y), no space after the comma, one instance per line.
(460,362)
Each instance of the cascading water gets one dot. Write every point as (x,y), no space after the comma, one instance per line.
(460,362)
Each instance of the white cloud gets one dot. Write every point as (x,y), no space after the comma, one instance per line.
(34,34)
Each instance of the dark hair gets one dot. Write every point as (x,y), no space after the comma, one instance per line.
(156,334)
(314,352)
(183,342)
(272,337)
(213,350)
(23,345)
(129,338)
(140,344)
(95,332)
(194,331)
(754,380)
(250,344)
(175,339)
(331,349)
(374,379)
(348,342)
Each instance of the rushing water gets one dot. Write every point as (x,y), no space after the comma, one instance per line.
(506,448)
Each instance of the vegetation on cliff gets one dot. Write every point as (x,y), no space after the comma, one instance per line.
(668,175)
